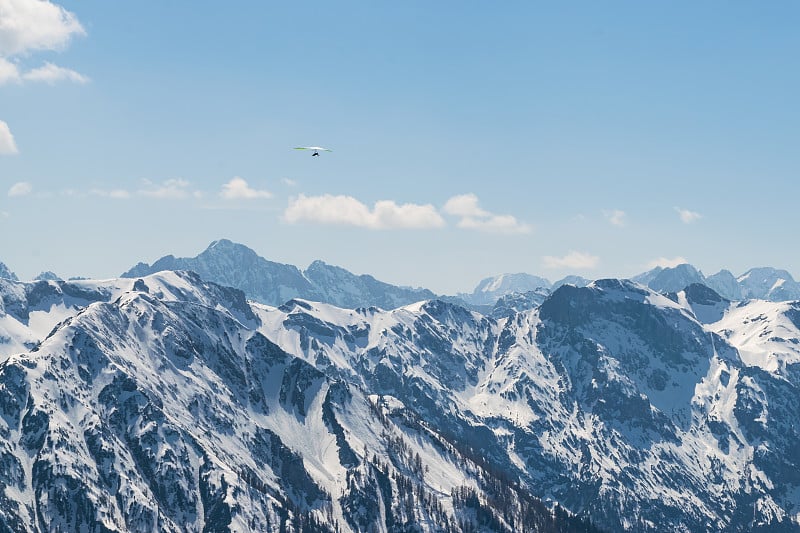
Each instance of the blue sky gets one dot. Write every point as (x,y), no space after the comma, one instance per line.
(469,138)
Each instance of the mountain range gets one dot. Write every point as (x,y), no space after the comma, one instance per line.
(268,282)
(168,402)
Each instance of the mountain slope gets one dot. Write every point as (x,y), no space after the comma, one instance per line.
(611,399)
(165,408)
(171,403)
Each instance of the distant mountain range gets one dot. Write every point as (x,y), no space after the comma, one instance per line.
(764,283)
(267,282)
(235,265)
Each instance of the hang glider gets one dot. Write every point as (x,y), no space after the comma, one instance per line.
(316,149)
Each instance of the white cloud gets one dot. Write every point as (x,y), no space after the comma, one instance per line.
(8,72)
(573,260)
(495,224)
(474,217)
(7,144)
(616,217)
(464,205)
(238,189)
(346,210)
(27,25)
(665,262)
(120,194)
(170,189)
(687,217)
(21,188)
(289,182)
(50,73)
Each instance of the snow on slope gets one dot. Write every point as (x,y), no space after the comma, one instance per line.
(197,409)
(767,334)
(162,407)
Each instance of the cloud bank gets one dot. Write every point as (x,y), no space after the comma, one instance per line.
(348,211)
(472,216)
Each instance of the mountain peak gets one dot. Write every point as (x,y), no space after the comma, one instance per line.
(6,273)
(671,279)
(229,263)
(47,276)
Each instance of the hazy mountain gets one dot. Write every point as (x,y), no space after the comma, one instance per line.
(47,276)
(725,284)
(345,289)
(578,281)
(5,273)
(670,279)
(769,284)
(489,290)
(236,265)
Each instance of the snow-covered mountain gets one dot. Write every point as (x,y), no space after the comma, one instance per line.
(162,404)
(725,284)
(5,273)
(236,265)
(515,302)
(763,283)
(670,279)
(170,403)
(47,276)
(769,284)
(578,281)
(489,290)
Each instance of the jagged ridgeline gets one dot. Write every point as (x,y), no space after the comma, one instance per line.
(161,404)
(167,402)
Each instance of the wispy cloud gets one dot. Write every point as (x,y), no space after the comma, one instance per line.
(175,188)
(616,217)
(50,73)
(687,217)
(238,189)
(7,144)
(120,194)
(28,26)
(348,211)
(665,262)
(21,188)
(573,260)
(289,182)
(472,216)
(8,72)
